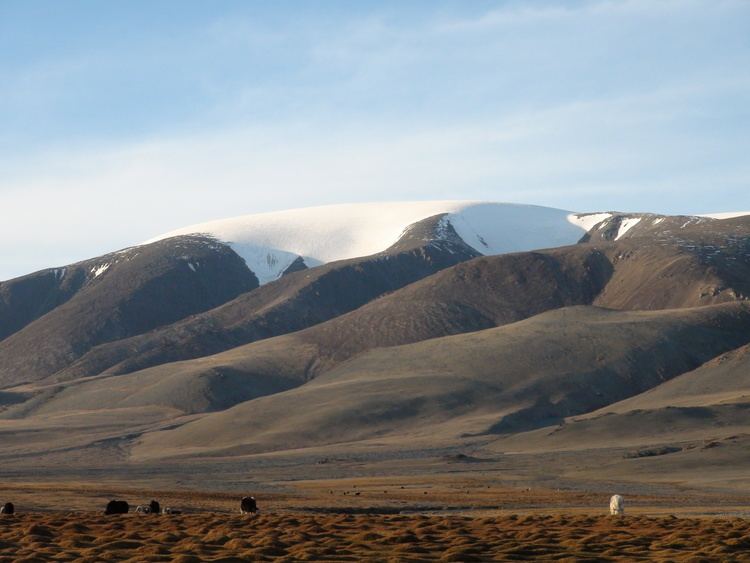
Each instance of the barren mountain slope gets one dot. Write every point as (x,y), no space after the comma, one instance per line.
(479,294)
(119,295)
(272,245)
(674,264)
(708,263)
(500,380)
(25,299)
(705,262)
(296,301)
(707,404)
(725,379)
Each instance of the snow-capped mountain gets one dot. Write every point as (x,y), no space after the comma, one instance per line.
(378,321)
(271,242)
(193,291)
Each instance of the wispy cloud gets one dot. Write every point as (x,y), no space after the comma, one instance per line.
(585,105)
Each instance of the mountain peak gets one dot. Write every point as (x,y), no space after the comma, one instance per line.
(271,242)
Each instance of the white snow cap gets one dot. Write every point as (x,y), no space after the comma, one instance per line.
(270,242)
(727,215)
(588,220)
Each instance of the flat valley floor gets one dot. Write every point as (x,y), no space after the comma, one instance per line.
(434,509)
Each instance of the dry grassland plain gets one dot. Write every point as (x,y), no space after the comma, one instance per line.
(357,537)
(388,519)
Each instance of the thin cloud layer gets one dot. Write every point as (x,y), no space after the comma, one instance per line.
(584,106)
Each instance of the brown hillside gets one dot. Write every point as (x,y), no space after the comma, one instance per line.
(500,380)
(120,295)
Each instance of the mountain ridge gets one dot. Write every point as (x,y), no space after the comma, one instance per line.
(441,337)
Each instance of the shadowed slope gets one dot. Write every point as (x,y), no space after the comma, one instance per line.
(683,265)
(709,403)
(506,379)
(296,301)
(191,386)
(25,299)
(706,264)
(122,294)
(725,379)
(479,294)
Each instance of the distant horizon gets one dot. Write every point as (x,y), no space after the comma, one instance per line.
(123,121)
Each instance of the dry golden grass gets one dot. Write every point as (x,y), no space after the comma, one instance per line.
(446,517)
(338,537)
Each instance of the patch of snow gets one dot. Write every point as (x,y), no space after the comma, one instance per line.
(659,220)
(60,273)
(727,215)
(98,271)
(626,225)
(270,242)
(190,265)
(588,221)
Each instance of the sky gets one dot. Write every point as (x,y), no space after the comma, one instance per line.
(121,120)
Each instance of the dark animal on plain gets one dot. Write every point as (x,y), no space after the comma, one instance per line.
(8,508)
(169,510)
(248,505)
(154,507)
(117,507)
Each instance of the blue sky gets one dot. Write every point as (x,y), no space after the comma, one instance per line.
(121,120)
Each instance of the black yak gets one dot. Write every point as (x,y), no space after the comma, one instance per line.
(248,505)
(117,507)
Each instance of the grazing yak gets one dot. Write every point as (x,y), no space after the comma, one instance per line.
(616,505)
(8,508)
(117,507)
(248,505)
(152,508)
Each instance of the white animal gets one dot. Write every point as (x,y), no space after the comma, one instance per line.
(616,505)
(143,509)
